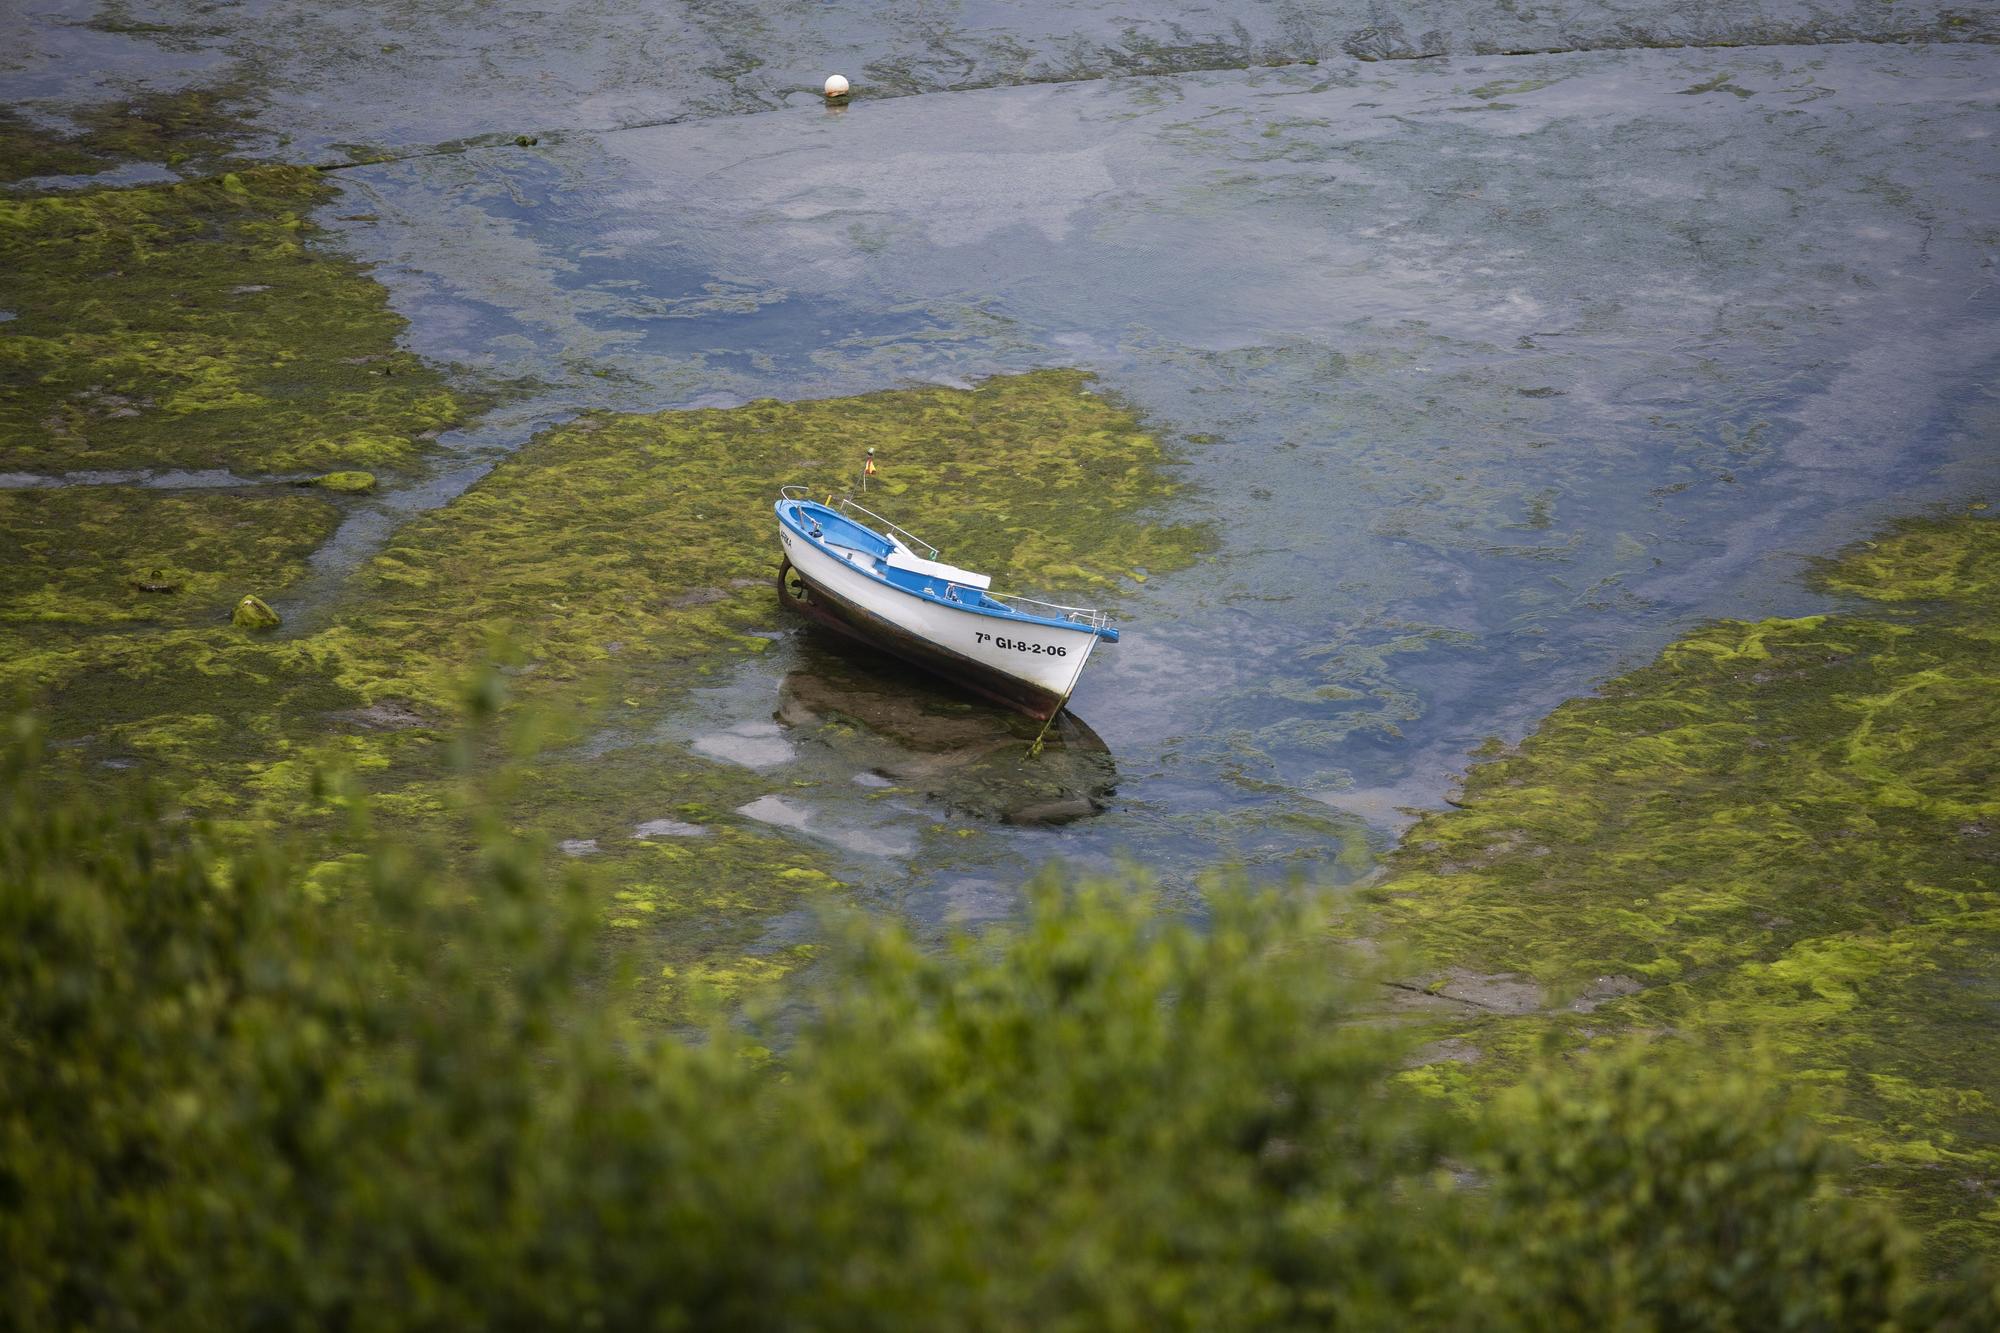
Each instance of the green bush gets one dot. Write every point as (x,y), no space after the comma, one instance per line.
(231,1097)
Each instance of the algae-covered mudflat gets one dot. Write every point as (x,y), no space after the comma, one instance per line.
(1783,832)
(1581,417)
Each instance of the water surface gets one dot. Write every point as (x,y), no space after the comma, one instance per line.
(1493,373)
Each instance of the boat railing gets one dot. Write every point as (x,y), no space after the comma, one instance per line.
(846,504)
(1081,615)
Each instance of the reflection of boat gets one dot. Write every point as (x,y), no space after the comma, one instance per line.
(878,588)
(875,715)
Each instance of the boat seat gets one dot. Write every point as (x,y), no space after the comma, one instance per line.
(902,559)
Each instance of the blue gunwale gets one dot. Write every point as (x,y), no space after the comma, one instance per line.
(909,582)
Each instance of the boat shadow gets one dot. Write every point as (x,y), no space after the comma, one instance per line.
(899,727)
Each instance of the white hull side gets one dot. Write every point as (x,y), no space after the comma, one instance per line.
(1054,668)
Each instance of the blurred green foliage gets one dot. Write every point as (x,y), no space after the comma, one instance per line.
(411,1097)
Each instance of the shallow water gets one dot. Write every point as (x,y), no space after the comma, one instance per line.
(1493,372)
(337,80)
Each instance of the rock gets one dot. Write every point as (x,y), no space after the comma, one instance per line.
(577,846)
(668,828)
(1605,989)
(387,715)
(1498,992)
(253,612)
(1052,812)
(1451,1050)
(157,580)
(347,483)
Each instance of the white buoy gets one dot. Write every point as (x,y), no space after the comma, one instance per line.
(836,85)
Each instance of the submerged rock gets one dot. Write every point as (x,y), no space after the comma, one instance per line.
(253,612)
(157,580)
(1064,811)
(386,715)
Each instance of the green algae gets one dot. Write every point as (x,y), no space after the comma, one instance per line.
(27,150)
(194,131)
(194,325)
(610,565)
(91,556)
(1784,832)
(115,609)
(624,557)
(1922,561)
(345,483)
(578,551)
(652,536)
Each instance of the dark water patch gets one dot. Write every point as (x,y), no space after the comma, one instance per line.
(873,715)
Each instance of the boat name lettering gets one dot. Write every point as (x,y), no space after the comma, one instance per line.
(1020,645)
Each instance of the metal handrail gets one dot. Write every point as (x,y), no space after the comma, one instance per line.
(1082,615)
(847,504)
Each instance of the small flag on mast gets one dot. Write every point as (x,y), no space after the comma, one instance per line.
(867,469)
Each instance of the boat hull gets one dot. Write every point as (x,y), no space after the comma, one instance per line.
(963,647)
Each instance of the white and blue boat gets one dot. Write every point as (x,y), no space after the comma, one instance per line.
(858,573)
